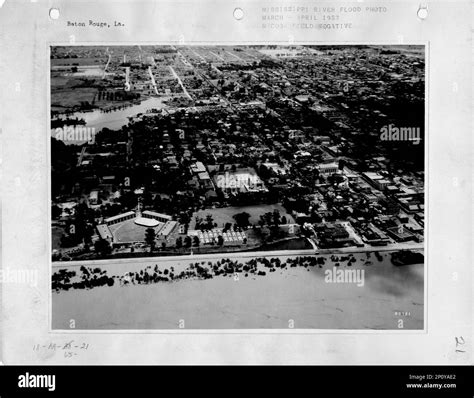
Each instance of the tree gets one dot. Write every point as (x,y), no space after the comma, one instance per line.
(179,243)
(220,240)
(196,241)
(242,219)
(284,220)
(209,221)
(268,217)
(150,236)
(187,241)
(276,217)
(102,247)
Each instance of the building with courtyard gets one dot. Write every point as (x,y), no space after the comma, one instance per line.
(130,228)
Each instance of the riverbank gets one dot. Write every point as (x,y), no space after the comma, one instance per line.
(299,294)
(115,116)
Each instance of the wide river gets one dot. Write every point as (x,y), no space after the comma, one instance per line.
(114,120)
(292,296)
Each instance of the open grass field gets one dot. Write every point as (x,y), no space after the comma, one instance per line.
(71,97)
(66,91)
(128,231)
(225,214)
(78,61)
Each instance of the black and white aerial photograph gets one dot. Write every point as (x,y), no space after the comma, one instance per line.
(237,187)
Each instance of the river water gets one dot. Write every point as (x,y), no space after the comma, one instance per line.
(253,302)
(114,120)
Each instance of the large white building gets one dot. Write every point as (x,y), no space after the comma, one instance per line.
(120,218)
(128,228)
(157,216)
(326,169)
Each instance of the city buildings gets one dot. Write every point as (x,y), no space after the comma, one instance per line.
(201,131)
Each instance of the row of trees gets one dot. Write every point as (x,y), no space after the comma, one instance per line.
(118,95)
(205,224)
(272,218)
